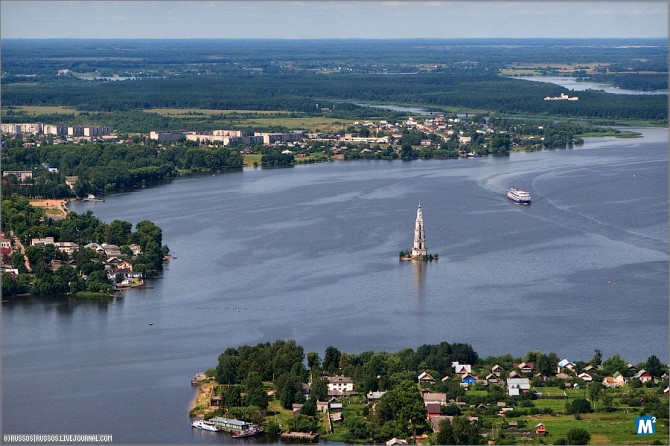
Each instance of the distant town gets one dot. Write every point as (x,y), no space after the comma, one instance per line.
(383,131)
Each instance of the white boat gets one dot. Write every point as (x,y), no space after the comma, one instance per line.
(91,197)
(518,196)
(204,425)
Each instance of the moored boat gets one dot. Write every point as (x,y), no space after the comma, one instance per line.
(204,425)
(251,432)
(91,197)
(518,196)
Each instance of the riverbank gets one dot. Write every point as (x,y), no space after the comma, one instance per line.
(201,404)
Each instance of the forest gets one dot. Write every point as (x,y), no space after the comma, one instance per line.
(301,92)
(306,76)
(108,167)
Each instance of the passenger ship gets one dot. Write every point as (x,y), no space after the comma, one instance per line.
(518,196)
(204,425)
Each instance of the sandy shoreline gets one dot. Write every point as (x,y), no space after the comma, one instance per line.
(55,209)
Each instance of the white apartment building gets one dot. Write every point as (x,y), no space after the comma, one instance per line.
(55,129)
(96,131)
(75,130)
(167,136)
(17,129)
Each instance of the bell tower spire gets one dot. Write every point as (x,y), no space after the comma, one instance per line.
(419,248)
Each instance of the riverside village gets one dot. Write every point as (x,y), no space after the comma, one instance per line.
(436,394)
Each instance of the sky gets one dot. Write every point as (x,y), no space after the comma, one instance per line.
(315,19)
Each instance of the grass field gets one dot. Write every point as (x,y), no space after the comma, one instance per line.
(204,112)
(550,391)
(318,123)
(605,428)
(36,110)
(259,118)
(518,72)
(251,158)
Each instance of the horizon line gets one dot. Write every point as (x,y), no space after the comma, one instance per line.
(335,38)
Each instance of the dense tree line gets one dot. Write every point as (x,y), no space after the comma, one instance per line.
(633,81)
(275,158)
(45,58)
(302,91)
(108,167)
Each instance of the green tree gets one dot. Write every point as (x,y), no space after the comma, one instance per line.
(254,395)
(403,402)
(309,408)
(303,423)
(406,152)
(595,391)
(319,389)
(359,428)
(655,367)
(117,232)
(597,358)
(331,361)
(578,406)
(458,431)
(273,428)
(578,436)
(451,409)
(614,364)
(608,402)
(313,360)
(231,396)
(288,390)
(227,369)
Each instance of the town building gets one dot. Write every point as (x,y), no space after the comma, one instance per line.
(340,386)
(42,241)
(75,130)
(562,97)
(21,175)
(461,369)
(426,378)
(5,244)
(517,386)
(68,248)
(167,136)
(55,129)
(96,131)
(71,180)
(17,129)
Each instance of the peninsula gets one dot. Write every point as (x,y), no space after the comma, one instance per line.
(436,394)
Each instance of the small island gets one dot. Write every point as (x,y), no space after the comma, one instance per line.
(418,251)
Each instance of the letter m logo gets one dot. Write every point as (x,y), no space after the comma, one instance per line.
(645,425)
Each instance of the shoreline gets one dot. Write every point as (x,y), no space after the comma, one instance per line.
(200,403)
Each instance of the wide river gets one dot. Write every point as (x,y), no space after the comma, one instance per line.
(311,253)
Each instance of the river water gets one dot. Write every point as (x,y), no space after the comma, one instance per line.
(311,253)
(573,84)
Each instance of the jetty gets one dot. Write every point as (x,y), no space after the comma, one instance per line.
(300,436)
